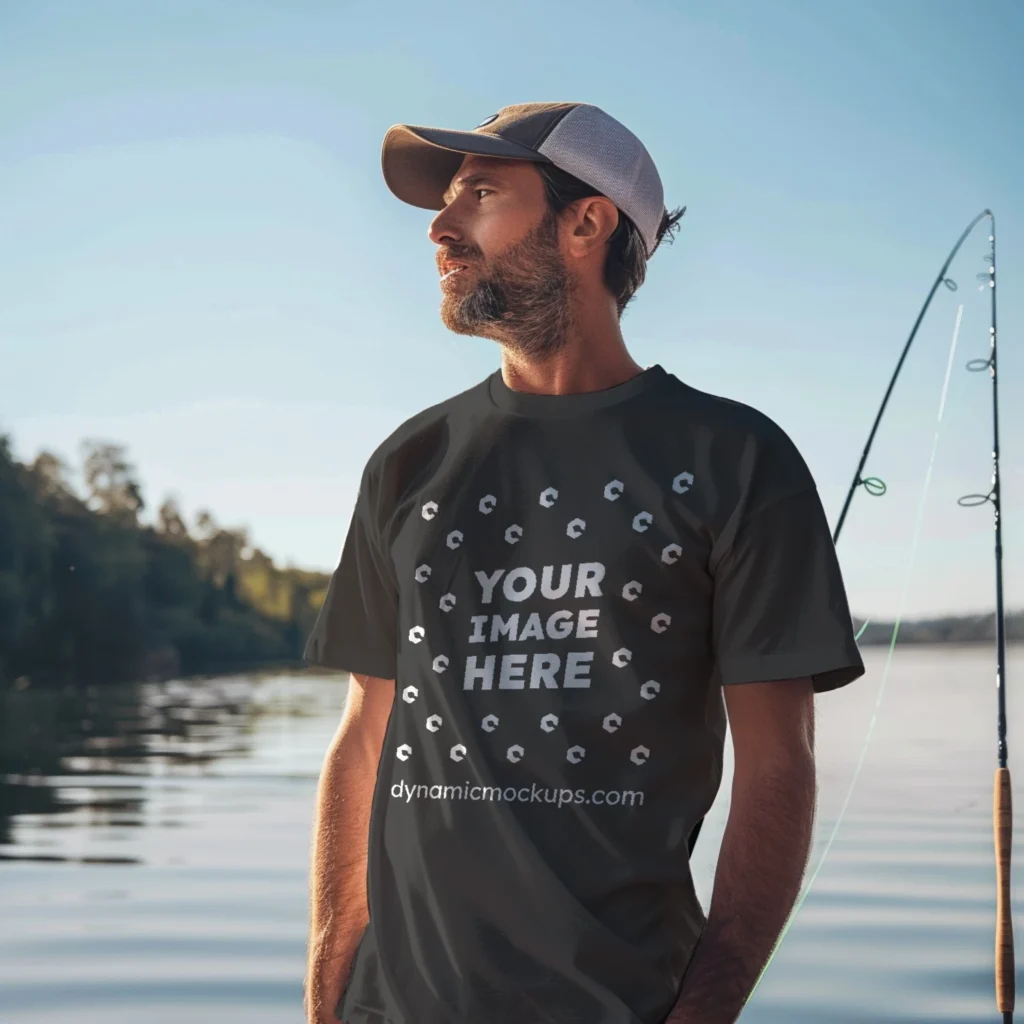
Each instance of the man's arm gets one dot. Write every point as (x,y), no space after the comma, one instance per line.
(338,910)
(764,849)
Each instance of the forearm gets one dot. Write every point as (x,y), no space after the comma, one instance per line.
(338,907)
(760,867)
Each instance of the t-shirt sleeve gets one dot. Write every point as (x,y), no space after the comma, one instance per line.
(780,606)
(356,629)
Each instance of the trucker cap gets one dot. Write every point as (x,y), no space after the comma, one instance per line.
(419,163)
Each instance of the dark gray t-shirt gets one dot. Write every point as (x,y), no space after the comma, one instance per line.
(561,586)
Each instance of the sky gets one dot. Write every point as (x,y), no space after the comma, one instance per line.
(199,258)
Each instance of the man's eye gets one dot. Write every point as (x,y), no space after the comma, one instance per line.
(479,190)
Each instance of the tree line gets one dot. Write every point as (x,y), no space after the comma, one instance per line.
(89,594)
(951,629)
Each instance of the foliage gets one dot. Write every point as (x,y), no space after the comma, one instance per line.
(89,595)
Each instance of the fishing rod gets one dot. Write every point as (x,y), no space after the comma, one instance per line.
(872,484)
(1002,807)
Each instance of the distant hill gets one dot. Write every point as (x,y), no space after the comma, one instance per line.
(960,629)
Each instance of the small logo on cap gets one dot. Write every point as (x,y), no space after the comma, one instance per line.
(486,121)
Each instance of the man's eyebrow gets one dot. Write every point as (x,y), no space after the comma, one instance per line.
(469,181)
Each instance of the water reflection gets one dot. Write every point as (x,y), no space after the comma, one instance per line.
(157,847)
(86,759)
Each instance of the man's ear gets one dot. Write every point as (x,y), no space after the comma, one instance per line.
(591,222)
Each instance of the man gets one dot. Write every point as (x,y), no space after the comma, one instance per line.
(555,586)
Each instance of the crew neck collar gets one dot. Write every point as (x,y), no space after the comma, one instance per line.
(525,403)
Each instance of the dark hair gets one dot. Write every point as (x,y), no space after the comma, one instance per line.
(625,266)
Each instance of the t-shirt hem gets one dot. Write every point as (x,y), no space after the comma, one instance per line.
(360,1013)
(827,669)
(352,665)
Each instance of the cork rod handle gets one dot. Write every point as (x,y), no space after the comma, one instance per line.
(1002,818)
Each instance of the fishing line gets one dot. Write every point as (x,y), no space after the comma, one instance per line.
(918,526)
(878,486)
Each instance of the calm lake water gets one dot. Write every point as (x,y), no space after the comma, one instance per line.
(154,845)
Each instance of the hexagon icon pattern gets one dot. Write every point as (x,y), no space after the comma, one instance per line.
(641,521)
(575,528)
(682,483)
(630,592)
(670,553)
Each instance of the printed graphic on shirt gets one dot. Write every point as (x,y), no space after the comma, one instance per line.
(476,649)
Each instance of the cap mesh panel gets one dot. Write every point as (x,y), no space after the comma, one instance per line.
(605,154)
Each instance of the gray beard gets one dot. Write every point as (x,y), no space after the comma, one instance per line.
(524,301)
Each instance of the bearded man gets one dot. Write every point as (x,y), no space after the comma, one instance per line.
(557,588)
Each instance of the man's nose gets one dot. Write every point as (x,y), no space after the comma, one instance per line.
(443,229)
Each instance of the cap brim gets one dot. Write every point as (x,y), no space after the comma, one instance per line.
(419,163)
